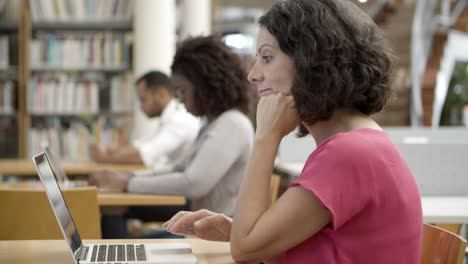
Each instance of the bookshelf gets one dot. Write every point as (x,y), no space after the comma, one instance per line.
(9,121)
(72,76)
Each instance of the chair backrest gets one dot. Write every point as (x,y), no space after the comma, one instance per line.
(27,214)
(454,228)
(274,188)
(441,246)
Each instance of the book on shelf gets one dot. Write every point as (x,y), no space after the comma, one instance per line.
(9,10)
(71,139)
(4,52)
(111,130)
(71,143)
(63,93)
(7,97)
(8,51)
(81,10)
(121,93)
(69,94)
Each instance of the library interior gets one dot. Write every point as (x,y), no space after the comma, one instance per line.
(196,131)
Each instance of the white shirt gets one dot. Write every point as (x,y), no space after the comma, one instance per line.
(176,132)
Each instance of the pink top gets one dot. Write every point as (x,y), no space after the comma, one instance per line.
(363,180)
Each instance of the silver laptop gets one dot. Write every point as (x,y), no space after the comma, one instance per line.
(59,173)
(104,253)
(62,177)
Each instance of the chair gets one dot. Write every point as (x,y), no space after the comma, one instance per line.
(454,228)
(441,246)
(27,215)
(274,188)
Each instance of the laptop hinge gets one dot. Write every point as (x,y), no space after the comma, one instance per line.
(81,253)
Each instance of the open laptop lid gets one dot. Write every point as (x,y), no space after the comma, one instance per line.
(55,165)
(58,204)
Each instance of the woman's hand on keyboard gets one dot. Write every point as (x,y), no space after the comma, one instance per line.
(203,224)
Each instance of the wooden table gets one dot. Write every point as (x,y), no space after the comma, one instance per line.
(25,167)
(113,199)
(133,199)
(55,251)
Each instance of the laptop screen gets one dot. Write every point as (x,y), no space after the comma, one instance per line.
(57,202)
(56,167)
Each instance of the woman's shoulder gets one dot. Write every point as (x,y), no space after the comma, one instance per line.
(234,117)
(358,144)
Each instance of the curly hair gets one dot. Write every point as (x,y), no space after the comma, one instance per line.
(216,73)
(340,58)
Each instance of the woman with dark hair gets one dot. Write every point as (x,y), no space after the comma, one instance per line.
(321,65)
(210,80)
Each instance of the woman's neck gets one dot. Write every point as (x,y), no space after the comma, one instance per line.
(340,121)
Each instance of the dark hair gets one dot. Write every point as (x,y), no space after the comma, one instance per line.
(154,80)
(216,73)
(340,59)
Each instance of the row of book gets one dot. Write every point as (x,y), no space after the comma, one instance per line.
(4,53)
(81,10)
(80,50)
(9,10)
(7,96)
(62,93)
(71,141)
(112,130)
(79,94)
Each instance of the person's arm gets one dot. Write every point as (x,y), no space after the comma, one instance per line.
(118,181)
(206,225)
(160,170)
(212,160)
(170,137)
(260,232)
(203,223)
(118,154)
(124,154)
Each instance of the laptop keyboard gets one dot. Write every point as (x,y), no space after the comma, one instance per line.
(117,253)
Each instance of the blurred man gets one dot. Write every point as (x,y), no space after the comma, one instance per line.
(177,130)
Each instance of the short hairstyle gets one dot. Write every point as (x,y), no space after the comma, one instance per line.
(216,73)
(339,56)
(155,80)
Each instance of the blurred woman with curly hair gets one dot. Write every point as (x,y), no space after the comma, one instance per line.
(211,81)
(321,65)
